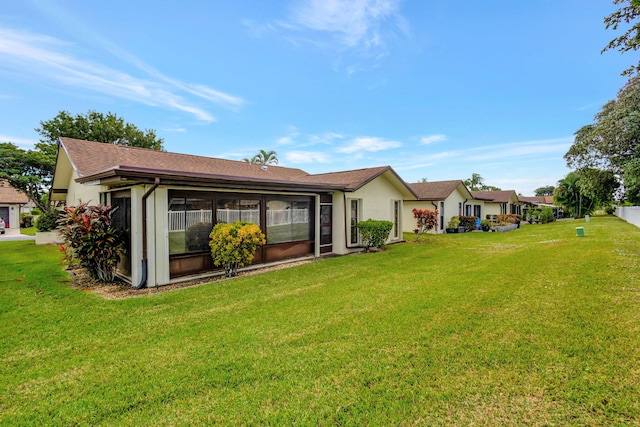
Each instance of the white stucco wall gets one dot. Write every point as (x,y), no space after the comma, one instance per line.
(492,209)
(377,199)
(80,193)
(451,208)
(408,222)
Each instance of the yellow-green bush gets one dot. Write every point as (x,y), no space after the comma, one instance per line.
(234,245)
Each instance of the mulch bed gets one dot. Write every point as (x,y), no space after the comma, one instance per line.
(120,290)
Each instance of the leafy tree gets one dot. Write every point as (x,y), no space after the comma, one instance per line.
(631,178)
(263,158)
(544,191)
(94,126)
(612,142)
(490,188)
(630,40)
(598,185)
(31,171)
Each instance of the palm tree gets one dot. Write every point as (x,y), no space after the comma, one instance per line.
(569,195)
(475,183)
(263,158)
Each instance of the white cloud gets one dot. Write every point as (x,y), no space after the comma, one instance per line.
(365,26)
(298,157)
(366,143)
(430,139)
(294,136)
(53,60)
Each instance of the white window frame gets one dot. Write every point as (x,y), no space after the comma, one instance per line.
(351,225)
(396,232)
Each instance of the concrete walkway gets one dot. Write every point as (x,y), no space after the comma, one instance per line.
(14,234)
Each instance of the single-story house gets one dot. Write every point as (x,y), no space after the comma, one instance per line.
(163,196)
(537,201)
(499,202)
(540,202)
(450,198)
(11,202)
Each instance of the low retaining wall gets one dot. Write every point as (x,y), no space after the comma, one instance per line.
(631,214)
(48,238)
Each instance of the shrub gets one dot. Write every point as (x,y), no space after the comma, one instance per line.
(508,219)
(92,240)
(610,210)
(426,220)
(546,215)
(26,220)
(48,220)
(36,212)
(234,245)
(197,237)
(454,222)
(532,215)
(468,222)
(374,233)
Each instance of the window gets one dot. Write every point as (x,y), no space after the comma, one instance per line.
(289,219)
(441,215)
(325,224)
(230,210)
(396,219)
(355,212)
(476,211)
(190,223)
(467,210)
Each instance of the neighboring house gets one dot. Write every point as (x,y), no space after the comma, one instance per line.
(11,201)
(499,202)
(540,202)
(450,198)
(537,201)
(164,196)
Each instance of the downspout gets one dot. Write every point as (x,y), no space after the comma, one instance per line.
(463,207)
(143,279)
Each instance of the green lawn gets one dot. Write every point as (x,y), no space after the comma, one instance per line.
(29,231)
(531,327)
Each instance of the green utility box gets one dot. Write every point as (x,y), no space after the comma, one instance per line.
(580,231)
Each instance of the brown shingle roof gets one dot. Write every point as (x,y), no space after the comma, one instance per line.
(10,195)
(352,179)
(532,199)
(94,160)
(502,196)
(91,158)
(436,190)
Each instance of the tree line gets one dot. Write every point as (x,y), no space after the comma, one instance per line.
(605,155)
(31,171)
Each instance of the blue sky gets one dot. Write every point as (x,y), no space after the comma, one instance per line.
(437,89)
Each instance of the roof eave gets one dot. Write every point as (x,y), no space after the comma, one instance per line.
(131,176)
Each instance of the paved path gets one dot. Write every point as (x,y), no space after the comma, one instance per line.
(14,234)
